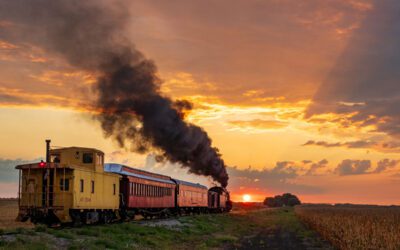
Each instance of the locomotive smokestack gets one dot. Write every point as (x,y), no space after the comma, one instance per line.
(48,151)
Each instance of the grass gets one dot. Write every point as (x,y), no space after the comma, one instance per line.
(355,227)
(206,231)
(194,232)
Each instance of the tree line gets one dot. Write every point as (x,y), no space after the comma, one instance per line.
(286,199)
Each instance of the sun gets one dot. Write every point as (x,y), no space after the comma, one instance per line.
(246,198)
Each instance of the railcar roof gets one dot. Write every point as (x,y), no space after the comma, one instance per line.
(55,149)
(180,182)
(119,169)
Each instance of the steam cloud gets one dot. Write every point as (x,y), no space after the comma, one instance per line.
(88,34)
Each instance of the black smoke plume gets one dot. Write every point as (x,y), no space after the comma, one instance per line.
(89,35)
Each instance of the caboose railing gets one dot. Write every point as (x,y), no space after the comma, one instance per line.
(57,199)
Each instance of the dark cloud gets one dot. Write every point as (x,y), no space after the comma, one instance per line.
(385,164)
(364,84)
(393,146)
(280,178)
(8,173)
(353,167)
(316,166)
(350,144)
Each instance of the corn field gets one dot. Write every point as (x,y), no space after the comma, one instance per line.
(354,227)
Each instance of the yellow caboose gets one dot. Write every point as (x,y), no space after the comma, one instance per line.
(71,186)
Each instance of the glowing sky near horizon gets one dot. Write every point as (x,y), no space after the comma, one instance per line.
(299,98)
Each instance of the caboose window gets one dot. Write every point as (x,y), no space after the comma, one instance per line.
(64,184)
(92,187)
(81,185)
(99,159)
(114,189)
(55,158)
(87,158)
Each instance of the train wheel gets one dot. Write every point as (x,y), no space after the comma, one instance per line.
(107,217)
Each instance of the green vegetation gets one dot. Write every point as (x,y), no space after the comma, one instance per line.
(194,232)
(287,199)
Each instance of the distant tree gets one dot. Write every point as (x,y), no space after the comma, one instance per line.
(286,199)
(278,201)
(293,201)
(269,201)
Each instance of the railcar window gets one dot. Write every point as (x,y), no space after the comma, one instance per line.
(64,184)
(92,185)
(99,159)
(55,158)
(114,189)
(82,183)
(136,189)
(87,158)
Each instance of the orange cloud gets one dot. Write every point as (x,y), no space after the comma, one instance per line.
(259,124)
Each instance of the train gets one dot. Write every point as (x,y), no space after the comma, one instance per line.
(74,185)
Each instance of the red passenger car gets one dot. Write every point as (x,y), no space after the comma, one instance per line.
(143,192)
(190,197)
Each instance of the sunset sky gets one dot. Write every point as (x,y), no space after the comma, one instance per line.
(298,96)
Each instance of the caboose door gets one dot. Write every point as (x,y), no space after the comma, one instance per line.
(47,188)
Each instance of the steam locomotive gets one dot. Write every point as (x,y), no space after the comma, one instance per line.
(74,185)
